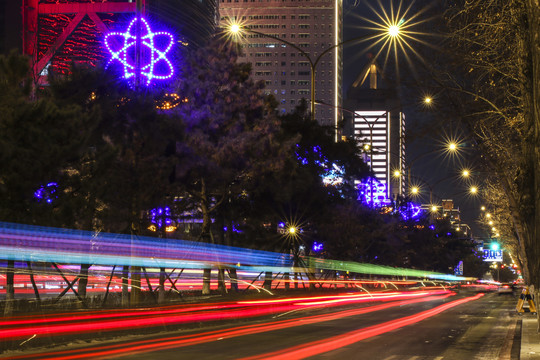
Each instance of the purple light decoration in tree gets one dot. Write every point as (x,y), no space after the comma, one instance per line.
(154,48)
(47,193)
(317,247)
(234,229)
(373,190)
(410,211)
(161,217)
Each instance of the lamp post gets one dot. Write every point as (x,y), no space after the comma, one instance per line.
(392,31)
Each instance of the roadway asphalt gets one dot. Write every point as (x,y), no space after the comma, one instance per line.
(484,329)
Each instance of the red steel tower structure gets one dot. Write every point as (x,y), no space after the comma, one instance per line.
(57,33)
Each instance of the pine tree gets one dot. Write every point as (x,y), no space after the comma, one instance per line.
(230,132)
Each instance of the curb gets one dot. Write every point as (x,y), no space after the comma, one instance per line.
(530,339)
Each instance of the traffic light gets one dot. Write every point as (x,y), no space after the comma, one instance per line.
(494,246)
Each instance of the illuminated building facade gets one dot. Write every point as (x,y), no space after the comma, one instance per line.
(378,122)
(449,212)
(57,34)
(313,26)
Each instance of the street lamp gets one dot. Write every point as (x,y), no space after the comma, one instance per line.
(391,31)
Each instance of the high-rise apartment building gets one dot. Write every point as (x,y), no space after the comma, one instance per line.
(312,26)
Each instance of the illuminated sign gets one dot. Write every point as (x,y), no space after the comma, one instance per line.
(493,255)
(458,270)
(154,46)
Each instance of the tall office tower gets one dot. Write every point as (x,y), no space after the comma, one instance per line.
(59,33)
(312,26)
(379,122)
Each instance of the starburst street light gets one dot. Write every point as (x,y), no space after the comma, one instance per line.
(393,30)
(235,28)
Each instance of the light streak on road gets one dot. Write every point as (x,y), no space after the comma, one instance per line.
(144,346)
(121,320)
(325,345)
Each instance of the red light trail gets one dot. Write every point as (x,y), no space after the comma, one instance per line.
(138,347)
(111,321)
(321,346)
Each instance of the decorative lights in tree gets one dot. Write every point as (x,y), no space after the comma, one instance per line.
(154,46)
(170,101)
(161,218)
(373,193)
(317,247)
(333,174)
(410,211)
(47,193)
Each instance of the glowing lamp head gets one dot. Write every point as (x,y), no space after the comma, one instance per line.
(397,173)
(466,173)
(393,30)
(415,190)
(292,230)
(494,246)
(452,146)
(427,100)
(474,190)
(434,208)
(234,28)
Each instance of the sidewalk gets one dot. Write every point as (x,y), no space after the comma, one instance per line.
(530,338)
